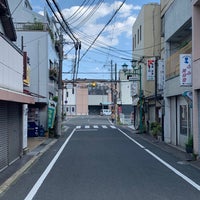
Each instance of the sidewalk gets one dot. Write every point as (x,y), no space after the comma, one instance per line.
(36,147)
(174,150)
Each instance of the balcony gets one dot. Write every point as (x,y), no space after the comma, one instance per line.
(53,74)
(173,62)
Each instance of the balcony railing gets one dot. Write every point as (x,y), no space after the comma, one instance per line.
(173,62)
(53,74)
(35,26)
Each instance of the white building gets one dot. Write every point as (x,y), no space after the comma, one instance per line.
(177,36)
(13,112)
(37,35)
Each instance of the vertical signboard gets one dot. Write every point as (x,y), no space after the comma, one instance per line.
(151,69)
(185,70)
(161,75)
(134,88)
(51,113)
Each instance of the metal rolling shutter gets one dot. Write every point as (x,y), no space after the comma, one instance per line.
(3,136)
(14,131)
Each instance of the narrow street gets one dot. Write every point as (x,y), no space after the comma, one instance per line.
(96,160)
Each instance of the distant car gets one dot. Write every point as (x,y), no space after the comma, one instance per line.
(106,112)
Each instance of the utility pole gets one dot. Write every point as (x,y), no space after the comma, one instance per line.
(156,81)
(115,94)
(59,104)
(111,81)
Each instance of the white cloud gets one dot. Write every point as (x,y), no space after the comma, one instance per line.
(121,24)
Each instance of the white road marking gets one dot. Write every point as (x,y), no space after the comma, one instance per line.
(87,126)
(78,127)
(104,126)
(190,181)
(38,184)
(95,126)
(113,127)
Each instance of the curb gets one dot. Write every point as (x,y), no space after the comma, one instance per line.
(19,172)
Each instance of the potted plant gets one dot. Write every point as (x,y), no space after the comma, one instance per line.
(189,144)
(156,129)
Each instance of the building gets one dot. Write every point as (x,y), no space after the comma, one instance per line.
(38,36)
(87,97)
(13,101)
(195,74)
(127,92)
(146,64)
(176,20)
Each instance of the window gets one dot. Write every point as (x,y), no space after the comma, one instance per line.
(135,40)
(138,36)
(51,66)
(162,27)
(140,32)
(185,122)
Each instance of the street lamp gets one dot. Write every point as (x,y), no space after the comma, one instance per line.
(136,72)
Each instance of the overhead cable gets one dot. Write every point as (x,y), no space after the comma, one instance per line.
(103,28)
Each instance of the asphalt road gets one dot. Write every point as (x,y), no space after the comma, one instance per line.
(95,160)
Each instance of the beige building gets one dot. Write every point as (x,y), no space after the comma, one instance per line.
(146,51)
(87,97)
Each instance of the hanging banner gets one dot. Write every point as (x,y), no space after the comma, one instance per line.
(161,75)
(151,69)
(134,88)
(185,70)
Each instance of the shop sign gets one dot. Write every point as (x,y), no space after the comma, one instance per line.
(151,69)
(185,70)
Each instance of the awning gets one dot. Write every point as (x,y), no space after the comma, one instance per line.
(188,97)
(8,95)
(188,94)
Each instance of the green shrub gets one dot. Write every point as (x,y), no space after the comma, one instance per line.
(156,129)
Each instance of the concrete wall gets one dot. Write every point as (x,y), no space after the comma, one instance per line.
(177,14)
(11,67)
(195,74)
(36,45)
(82,101)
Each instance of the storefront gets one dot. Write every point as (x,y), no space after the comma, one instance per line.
(11,123)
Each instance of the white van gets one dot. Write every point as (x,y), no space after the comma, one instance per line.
(106,112)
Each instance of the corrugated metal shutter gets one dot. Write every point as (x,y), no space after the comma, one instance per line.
(3,136)
(14,131)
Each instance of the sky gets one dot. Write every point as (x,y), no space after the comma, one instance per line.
(104,31)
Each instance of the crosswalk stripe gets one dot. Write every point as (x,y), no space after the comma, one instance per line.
(96,126)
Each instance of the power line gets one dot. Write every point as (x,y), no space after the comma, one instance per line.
(103,29)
